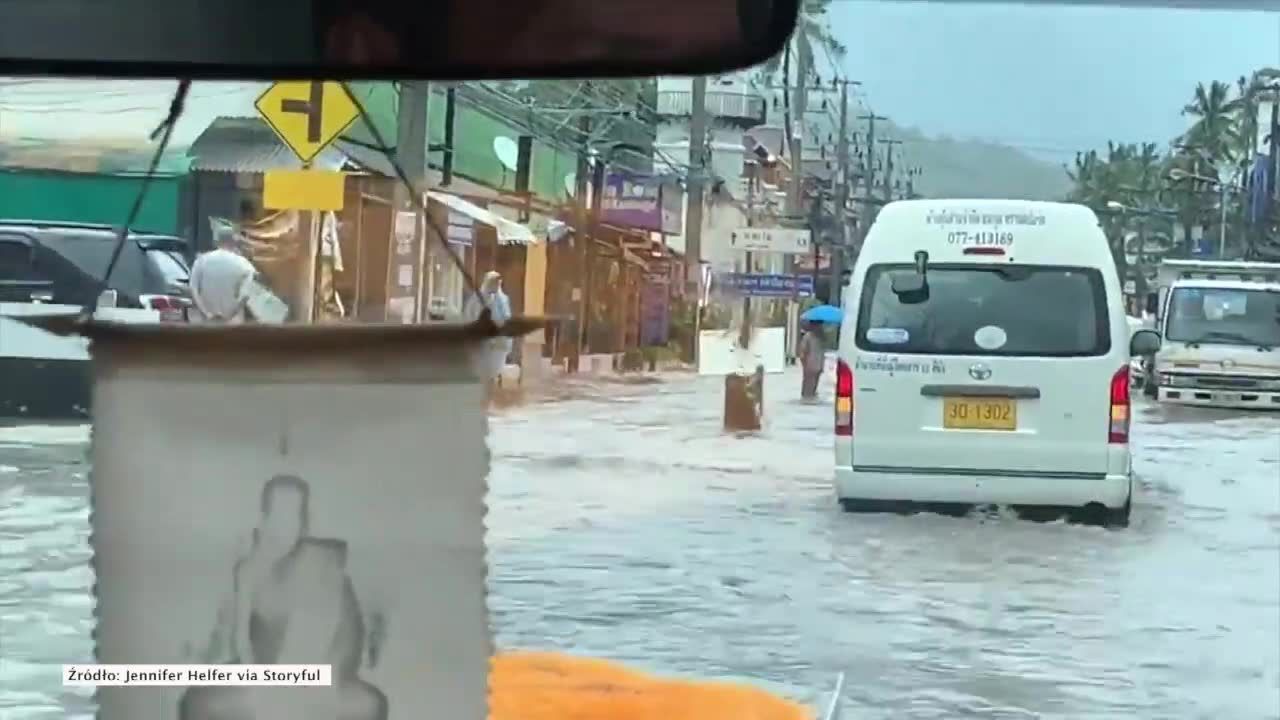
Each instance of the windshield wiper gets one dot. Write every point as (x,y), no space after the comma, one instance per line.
(1230,336)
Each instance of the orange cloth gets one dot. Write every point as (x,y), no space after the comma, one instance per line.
(550,686)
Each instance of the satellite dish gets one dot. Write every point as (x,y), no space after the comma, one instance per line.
(507,151)
(571,183)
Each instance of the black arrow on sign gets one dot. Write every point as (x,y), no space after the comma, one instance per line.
(311,107)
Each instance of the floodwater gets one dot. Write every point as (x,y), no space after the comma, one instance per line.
(626,525)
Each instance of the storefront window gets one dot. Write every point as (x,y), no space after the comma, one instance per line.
(446,283)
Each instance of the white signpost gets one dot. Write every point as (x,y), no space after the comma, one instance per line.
(790,241)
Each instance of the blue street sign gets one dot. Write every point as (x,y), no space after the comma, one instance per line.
(756,285)
(1203,248)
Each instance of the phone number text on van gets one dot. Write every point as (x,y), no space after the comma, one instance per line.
(965,237)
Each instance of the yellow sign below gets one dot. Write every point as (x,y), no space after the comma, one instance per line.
(308,115)
(302,190)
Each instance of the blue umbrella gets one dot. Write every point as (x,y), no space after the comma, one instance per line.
(829,314)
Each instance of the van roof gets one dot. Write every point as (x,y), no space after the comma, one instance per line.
(1221,265)
(1231,284)
(965,230)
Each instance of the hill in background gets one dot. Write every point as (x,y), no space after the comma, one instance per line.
(973,168)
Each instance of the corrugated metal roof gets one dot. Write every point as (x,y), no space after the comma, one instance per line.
(237,144)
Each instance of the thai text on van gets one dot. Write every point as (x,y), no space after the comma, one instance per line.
(893,365)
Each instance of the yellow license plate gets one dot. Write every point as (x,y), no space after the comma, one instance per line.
(968,413)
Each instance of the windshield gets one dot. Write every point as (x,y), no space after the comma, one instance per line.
(1224,316)
(648,496)
(1006,310)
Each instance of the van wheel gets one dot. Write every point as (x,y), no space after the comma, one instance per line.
(1119,517)
(1099,515)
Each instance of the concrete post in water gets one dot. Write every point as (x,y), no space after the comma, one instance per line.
(744,401)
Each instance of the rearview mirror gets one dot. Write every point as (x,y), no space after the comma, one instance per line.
(911,289)
(1144,342)
(391,39)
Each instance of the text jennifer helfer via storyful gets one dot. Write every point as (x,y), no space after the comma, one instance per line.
(91,675)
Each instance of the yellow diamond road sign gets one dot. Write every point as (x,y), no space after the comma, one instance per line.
(307,115)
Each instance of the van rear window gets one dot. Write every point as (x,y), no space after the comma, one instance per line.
(993,310)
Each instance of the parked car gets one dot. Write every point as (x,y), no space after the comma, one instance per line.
(54,267)
(64,263)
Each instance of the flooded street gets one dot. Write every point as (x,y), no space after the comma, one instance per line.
(624,524)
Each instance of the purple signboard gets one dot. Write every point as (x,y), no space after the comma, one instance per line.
(632,200)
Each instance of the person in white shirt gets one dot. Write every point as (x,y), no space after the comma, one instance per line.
(497,350)
(220,281)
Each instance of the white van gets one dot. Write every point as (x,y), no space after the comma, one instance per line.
(984,360)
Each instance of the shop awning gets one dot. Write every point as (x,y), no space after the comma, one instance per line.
(509,231)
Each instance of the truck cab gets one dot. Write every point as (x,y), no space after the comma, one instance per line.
(1221,331)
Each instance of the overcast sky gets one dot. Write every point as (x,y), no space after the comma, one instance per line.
(1048,79)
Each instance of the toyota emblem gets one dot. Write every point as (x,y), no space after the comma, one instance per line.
(979,372)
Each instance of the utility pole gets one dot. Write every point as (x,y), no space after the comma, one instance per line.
(867,215)
(408,244)
(795,193)
(577,299)
(693,214)
(593,227)
(836,263)
(871,151)
(1273,189)
(888,167)
(744,336)
(800,106)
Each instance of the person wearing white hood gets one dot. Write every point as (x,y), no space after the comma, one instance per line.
(220,282)
(492,297)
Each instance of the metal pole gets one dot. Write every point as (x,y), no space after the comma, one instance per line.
(1222,223)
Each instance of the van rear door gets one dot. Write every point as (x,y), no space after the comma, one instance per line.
(1002,369)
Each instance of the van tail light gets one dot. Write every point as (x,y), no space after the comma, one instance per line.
(844,400)
(171,307)
(1118,428)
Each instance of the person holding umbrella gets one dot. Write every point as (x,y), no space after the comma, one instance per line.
(812,359)
(812,354)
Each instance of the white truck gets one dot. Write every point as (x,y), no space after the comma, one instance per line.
(1220,322)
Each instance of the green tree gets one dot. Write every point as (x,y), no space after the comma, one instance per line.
(1215,130)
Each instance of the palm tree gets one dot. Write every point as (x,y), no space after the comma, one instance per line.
(1099,181)
(1214,130)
